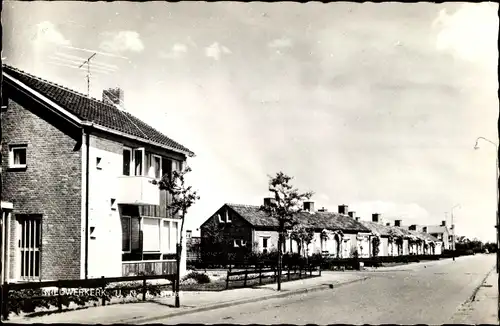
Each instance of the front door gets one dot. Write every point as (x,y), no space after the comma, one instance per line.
(29,235)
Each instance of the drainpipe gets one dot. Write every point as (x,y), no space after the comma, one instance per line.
(86,132)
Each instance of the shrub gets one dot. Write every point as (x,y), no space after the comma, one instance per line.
(199,277)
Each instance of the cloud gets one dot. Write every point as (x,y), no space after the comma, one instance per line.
(470,33)
(178,49)
(47,33)
(216,50)
(280,43)
(122,41)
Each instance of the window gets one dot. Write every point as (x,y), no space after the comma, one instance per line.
(156,167)
(98,163)
(29,237)
(17,156)
(126,233)
(138,161)
(113,204)
(127,159)
(174,235)
(166,166)
(151,234)
(265,244)
(228,217)
(165,238)
(237,243)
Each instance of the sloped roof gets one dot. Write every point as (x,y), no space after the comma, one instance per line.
(317,220)
(377,228)
(436,229)
(93,110)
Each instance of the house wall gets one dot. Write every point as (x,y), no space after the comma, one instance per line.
(384,246)
(406,247)
(105,235)
(50,185)
(236,229)
(105,242)
(272,242)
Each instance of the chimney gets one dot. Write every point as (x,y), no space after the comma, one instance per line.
(113,96)
(309,206)
(343,209)
(397,222)
(376,217)
(268,201)
(424,229)
(412,227)
(322,210)
(352,214)
(443,223)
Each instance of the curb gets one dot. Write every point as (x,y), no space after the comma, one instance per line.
(239,302)
(472,298)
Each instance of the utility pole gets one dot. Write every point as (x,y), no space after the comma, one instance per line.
(453,231)
(87,62)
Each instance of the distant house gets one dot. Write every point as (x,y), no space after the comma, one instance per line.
(245,228)
(442,233)
(77,194)
(397,240)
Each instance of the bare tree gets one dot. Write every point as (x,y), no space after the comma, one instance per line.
(183,197)
(285,207)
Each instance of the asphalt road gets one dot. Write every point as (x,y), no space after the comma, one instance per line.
(428,293)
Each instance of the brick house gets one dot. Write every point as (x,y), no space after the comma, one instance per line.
(77,197)
(246,228)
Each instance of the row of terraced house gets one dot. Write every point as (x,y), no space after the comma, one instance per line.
(77,194)
(336,235)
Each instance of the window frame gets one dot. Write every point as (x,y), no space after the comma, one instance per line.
(131,161)
(153,158)
(12,149)
(143,162)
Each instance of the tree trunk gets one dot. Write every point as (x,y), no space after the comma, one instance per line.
(178,258)
(280,258)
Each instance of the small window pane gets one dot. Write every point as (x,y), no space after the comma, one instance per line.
(126,162)
(19,156)
(125,233)
(157,167)
(138,162)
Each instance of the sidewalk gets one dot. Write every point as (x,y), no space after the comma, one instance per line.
(483,307)
(143,312)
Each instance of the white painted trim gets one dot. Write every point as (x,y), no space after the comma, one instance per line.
(7,205)
(43,98)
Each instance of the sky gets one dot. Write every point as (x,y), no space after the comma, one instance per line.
(376,106)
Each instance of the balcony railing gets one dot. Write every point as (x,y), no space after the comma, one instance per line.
(137,190)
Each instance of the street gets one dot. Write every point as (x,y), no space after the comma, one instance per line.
(429,293)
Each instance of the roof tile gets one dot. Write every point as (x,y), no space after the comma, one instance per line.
(318,220)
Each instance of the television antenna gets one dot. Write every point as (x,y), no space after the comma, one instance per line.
(78,62)
(87,62)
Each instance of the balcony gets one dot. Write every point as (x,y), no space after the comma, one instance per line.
(137,190)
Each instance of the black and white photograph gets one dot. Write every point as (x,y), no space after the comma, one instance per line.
(242,163)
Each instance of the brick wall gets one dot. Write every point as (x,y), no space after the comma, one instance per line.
(237,229)
(50,185)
